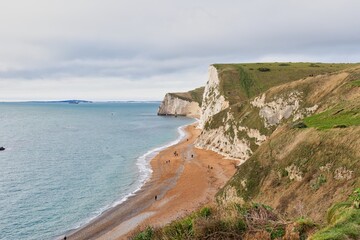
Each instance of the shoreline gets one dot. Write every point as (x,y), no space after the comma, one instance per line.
(143,163)
(169,182)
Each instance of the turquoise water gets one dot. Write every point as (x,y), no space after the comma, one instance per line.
(66,163)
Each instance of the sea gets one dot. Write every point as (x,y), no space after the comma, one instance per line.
(64,164)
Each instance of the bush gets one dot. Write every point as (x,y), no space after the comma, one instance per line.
(277,233)
(319,181)
(147,234)
(264,69)
(299,125)
(182,229)
(205,212)
(284,64)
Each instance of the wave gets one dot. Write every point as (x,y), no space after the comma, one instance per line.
(143,163)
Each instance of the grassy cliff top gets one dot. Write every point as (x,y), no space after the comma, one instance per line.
(239,82)
(193,95)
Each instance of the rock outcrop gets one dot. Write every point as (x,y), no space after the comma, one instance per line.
(174,106)
(182,104)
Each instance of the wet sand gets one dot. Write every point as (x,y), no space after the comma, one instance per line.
(182,185)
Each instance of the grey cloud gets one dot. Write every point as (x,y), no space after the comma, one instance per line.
(140,40)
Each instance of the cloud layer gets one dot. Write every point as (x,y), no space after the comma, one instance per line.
(140,49)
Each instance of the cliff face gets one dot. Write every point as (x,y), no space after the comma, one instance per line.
(172,105)
(213,100)
(182,104)
(242,105)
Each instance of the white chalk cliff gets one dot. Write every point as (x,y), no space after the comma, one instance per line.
(213,101)
(174,105)
(233,138)
(236,131)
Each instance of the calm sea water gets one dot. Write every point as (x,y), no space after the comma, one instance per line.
(66,163)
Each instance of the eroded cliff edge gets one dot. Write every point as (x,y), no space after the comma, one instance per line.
(244,103)
(182,104)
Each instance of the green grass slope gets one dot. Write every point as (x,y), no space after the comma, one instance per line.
(340,116)
(193,95)
(239,82)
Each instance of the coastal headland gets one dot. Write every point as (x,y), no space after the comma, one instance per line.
(183,179)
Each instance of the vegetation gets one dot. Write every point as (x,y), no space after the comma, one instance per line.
(193,95)
(148,233)
(296,163)
(338,117)
(234,222)
(264,69)
(239,82)
(343,221)
(197,94)
(314,65)
(355,83)
(319,181)
(258,221)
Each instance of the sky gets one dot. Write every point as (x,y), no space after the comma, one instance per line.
(140,49)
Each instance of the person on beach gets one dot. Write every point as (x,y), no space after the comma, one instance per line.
(155,197)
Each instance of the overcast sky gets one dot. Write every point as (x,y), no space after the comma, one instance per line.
(141,49)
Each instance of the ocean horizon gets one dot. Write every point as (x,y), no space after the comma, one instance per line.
(65,164)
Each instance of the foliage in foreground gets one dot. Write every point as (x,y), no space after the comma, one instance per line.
(234,222)
(260,222)
(343,220)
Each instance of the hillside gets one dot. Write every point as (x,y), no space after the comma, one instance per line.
(191,96)
(182,104)
(234,125)
(295,128)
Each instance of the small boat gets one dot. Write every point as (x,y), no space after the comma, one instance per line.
(2,148)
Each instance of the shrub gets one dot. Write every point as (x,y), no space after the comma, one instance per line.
(264,69)
(205,212)
(320,180)
(284,64)
(277,233)
(299,125)
(147,234)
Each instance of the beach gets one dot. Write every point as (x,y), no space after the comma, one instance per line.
(184,178)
